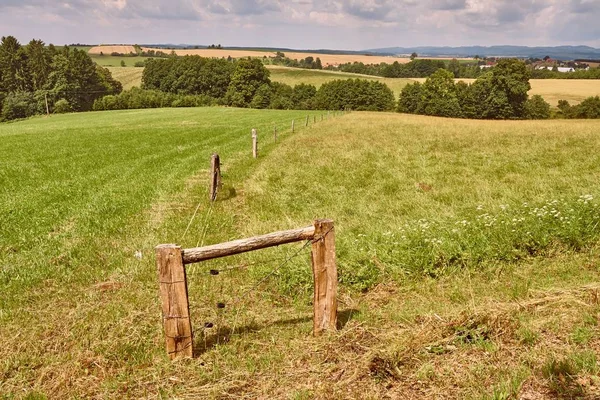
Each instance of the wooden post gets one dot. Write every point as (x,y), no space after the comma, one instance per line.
(254,143)
(314,119)
(321,117)
(292,126)
(325,277)
(47,108)
(174,299)
(275,133)
(306,120)
(215,177)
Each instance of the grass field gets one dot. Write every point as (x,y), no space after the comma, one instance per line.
(468,256)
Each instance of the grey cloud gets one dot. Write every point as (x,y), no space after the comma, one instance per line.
(584,6)
(159,9)
(243,7)
(370,10)
(501,14)
(448,4)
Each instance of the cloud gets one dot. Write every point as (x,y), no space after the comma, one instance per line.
(243,7)
(448,4)
(369,9)
(342,24)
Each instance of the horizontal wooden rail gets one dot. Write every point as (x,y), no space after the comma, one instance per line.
(191,256)
(171,260)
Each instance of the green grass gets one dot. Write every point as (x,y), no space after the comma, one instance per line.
(79,312)
(115,61)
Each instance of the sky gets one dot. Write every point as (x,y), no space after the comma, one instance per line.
(305,24)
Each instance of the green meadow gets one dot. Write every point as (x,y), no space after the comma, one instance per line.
(467,251)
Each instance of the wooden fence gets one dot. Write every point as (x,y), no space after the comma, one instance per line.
(172,259)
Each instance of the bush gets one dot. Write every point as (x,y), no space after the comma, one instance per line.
(410,99)
(589,108)
(537,108)
(62,106)
(357,94)
(136,98)
(18,105)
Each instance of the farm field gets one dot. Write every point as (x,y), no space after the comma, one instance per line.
(326,59)
(468,255)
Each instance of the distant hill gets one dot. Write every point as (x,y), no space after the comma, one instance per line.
(557,52)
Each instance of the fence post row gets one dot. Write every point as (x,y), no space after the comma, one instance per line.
(215,177)
(254,143)
(171,261)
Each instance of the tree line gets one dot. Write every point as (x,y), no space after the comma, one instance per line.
(418,68)
(36,79)
(194,80)
(500,93)
(424,68)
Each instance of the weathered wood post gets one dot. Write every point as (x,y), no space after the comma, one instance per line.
(254,143)
(275,133)
(174,299)
(292,126)
(325,277)
(306,121)
(215,176)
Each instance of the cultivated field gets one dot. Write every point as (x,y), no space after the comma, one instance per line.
(467,250)
(107,50)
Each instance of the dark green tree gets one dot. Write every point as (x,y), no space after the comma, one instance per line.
(303,97)
(439,95)
(537,108)
(39,59)
(410,99)
(248,76)
(13,65)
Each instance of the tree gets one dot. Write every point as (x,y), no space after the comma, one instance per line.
(303,96)
(12,65)
(39,59)
(439,96)
(248,76)
(122,63)
(413,56)
(537,108)
(318,64)
(410,99)
(454,67)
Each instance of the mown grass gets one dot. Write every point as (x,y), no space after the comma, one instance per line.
(487,326)
(128,76)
